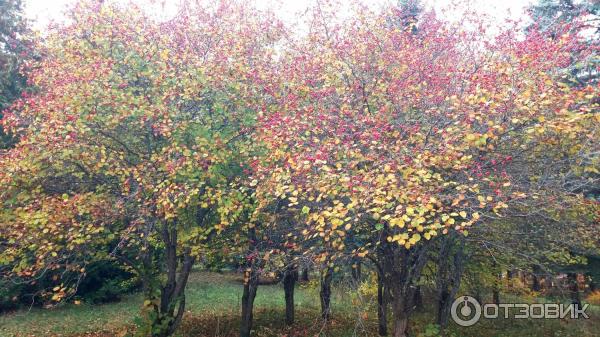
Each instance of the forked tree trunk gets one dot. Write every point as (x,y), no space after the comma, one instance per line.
(250,285)
(325,293)
(402,269)
(289,281)
(167,314)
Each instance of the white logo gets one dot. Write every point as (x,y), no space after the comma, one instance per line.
(470,307)
(471,311)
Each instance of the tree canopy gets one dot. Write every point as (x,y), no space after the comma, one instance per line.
(146,141)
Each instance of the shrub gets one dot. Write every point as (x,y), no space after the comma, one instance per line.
(106,281)
(8,299)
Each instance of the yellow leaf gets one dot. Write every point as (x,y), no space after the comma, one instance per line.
(336,222)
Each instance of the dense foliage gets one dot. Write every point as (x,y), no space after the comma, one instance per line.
(15,50)
(386,136)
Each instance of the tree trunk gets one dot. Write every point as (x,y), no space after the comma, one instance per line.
(289,281)
(574,289)
(477,296)
(250,288)
(402,269)
(496,296)
(250,285)
(304,277)
(509,278)
(325,293)
(401,314)
(381,306)
(496,286)
(418,300)
(449,274)
(443,308)
(169,311)
(535,284)
(356,271)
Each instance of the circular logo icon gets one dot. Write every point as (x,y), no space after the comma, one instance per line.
(469,312)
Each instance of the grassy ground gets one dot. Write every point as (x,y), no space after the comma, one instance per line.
(214,299)
(213,302)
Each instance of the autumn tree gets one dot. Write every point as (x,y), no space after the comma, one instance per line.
(374,136)
(131,146)
(398,136)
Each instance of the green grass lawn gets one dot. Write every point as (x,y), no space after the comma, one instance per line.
(211,297)
(213,310)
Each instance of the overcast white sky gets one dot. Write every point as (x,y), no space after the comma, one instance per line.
(45,11)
